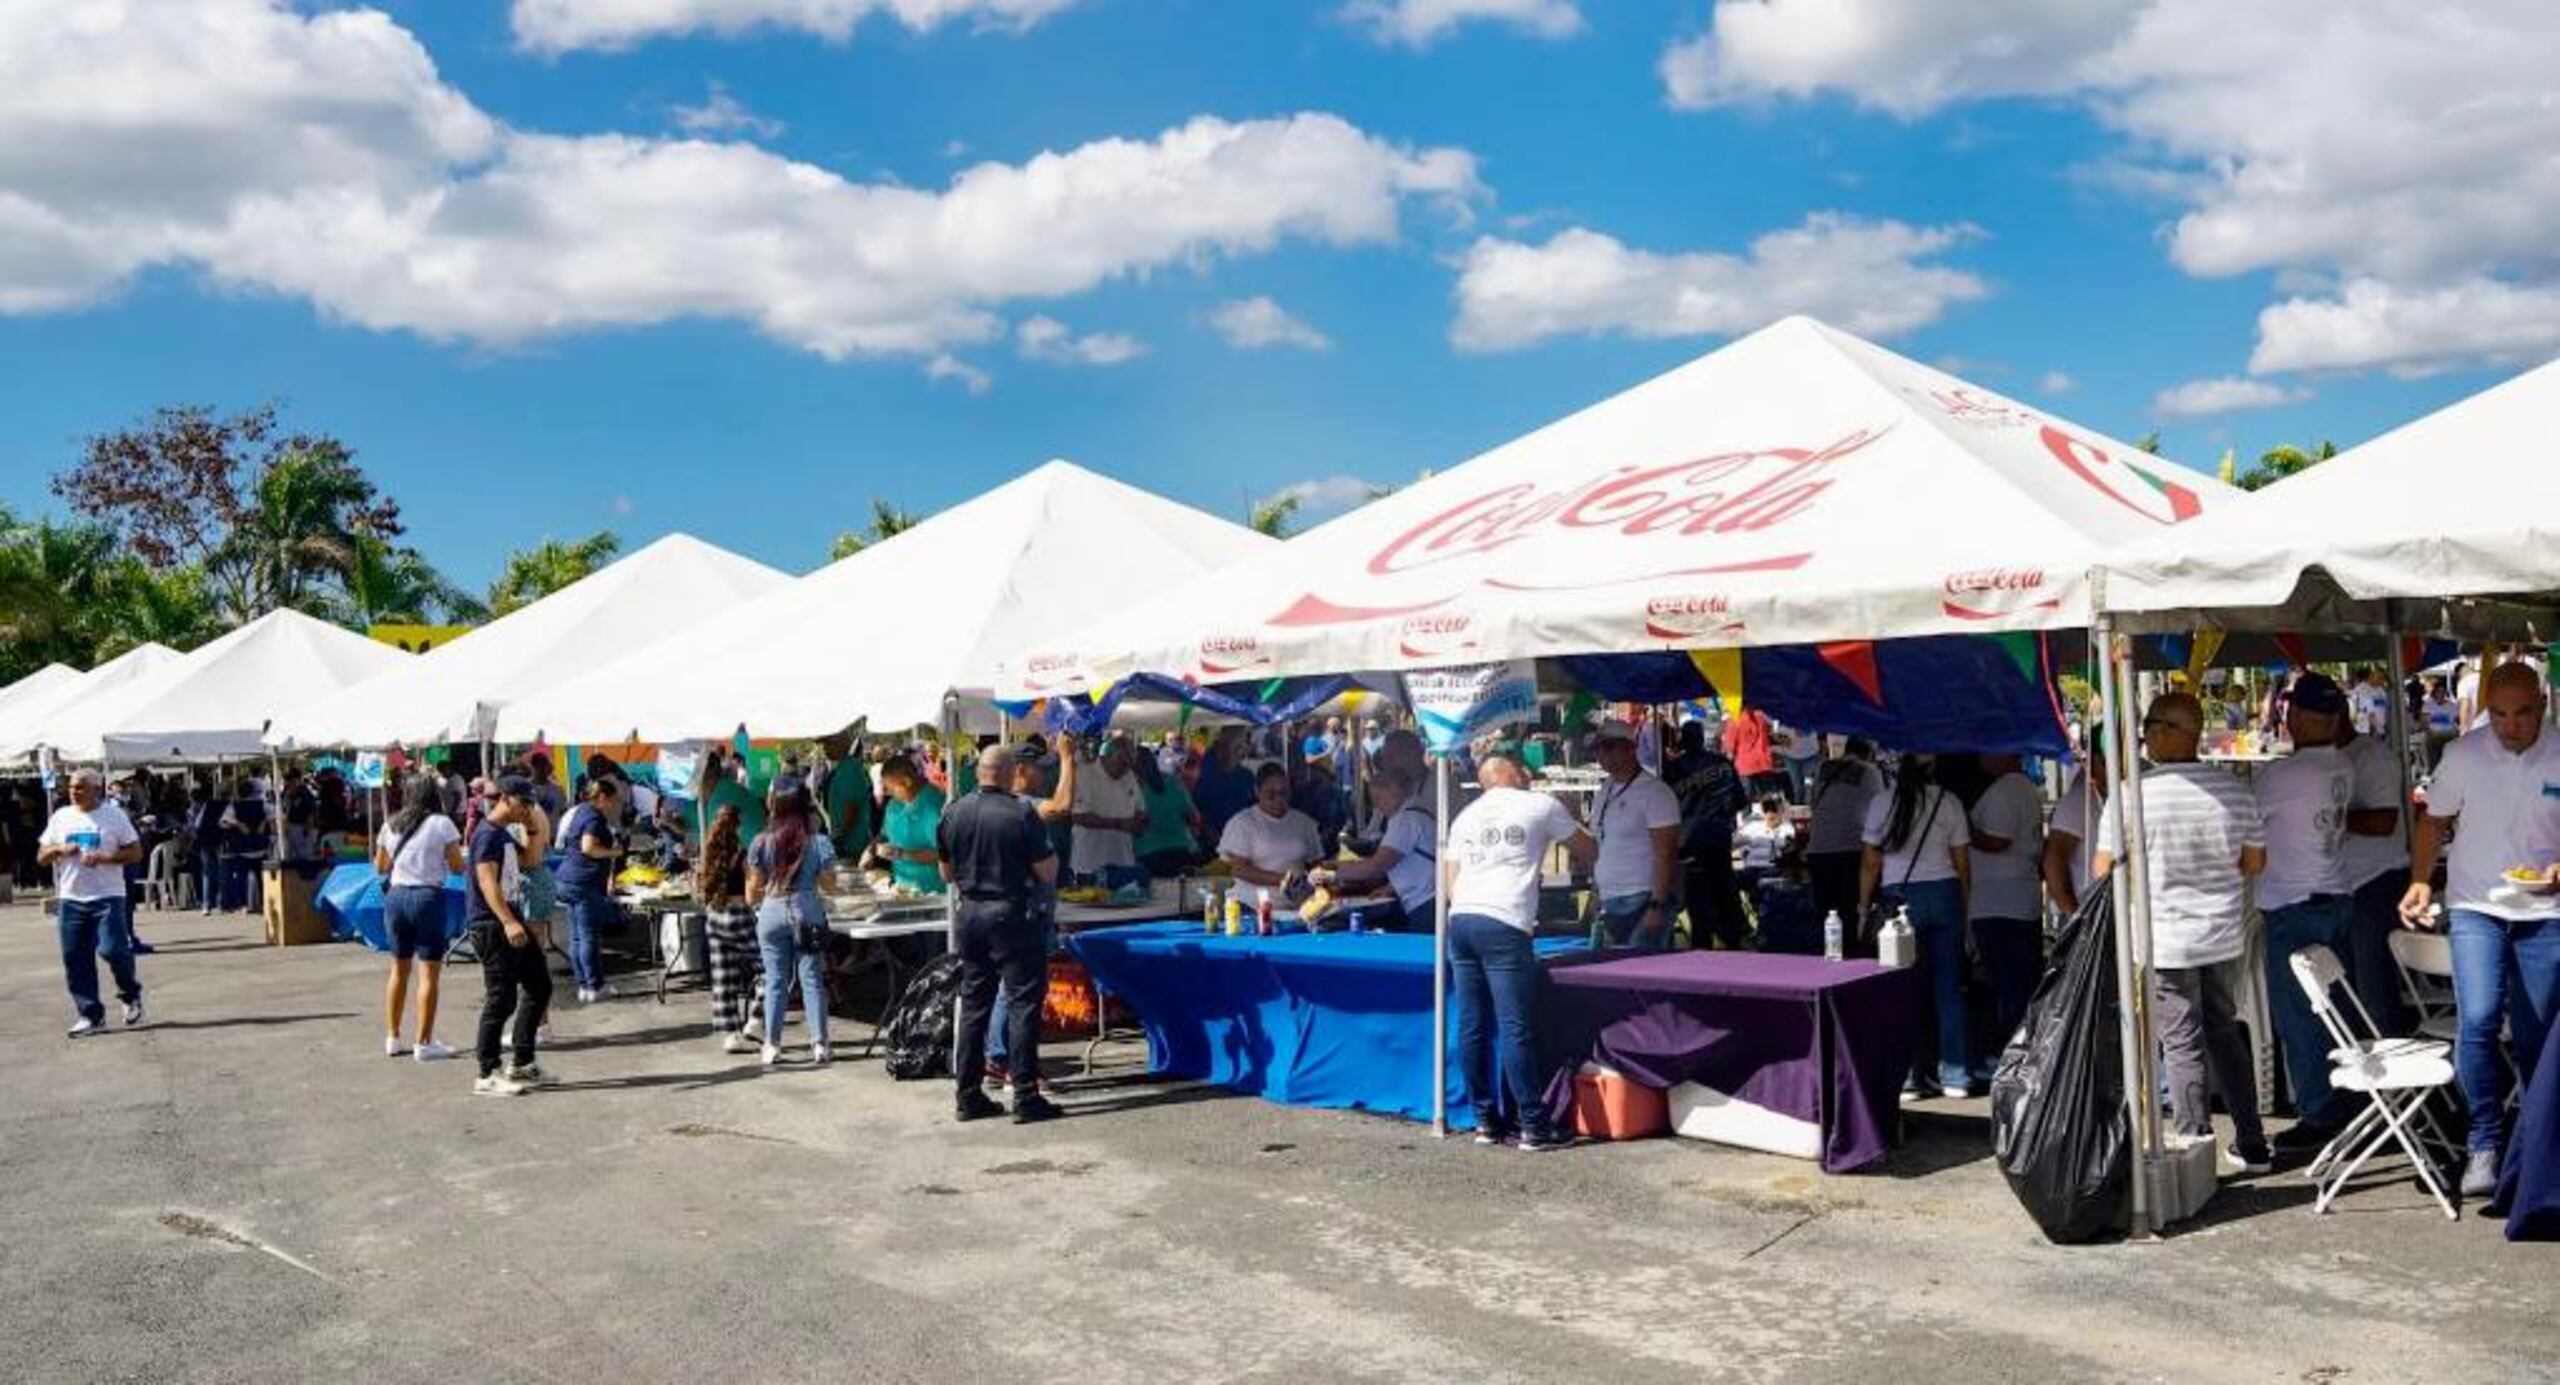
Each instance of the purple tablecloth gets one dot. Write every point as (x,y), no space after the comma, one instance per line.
(1825,1042)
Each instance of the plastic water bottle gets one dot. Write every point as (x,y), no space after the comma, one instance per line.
(1358,924)
(1831,936)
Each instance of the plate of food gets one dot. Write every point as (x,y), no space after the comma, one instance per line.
(2527,880)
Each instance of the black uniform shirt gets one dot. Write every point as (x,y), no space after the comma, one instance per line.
(990,840)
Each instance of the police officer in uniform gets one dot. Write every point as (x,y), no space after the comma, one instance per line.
(993,848)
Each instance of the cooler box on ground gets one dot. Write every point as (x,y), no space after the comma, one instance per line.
(1608,1105)
(1700,1112)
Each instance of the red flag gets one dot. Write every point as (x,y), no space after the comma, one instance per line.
(1855,660)
(2294,653)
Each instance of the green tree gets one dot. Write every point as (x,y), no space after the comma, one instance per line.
(51,576)
(1276,516)
(534,573)
(2280,462)
(141,604)
(296,541)
(887,521)
(390,584)
(2149,442)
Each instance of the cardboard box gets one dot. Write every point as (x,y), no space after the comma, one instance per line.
(292,918)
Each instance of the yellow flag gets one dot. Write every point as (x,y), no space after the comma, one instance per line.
(2230,466)
(2200,655)
(1722,668)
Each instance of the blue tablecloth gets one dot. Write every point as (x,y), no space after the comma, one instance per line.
(1338,1020)
(352,899)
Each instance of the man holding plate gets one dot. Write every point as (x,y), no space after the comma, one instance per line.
(2502,783)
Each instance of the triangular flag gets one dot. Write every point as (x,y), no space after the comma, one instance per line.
(1578,708)
(1855,660)
(1271,690)
(2230,466)
(2412,653)
(1722,668)
(2294,651)
(2020,645)
(2208,644)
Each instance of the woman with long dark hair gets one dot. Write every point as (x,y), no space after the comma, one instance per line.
(418,850)
(1919,860)
(728,933)
(783,867)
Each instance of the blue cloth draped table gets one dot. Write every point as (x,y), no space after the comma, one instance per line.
(351,897)
(1339,1020)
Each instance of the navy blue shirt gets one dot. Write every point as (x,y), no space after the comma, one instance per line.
(578,870)
(989,842)
(489,842)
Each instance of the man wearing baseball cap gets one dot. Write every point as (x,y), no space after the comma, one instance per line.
(1636,818)
(2304,799)
(518,982)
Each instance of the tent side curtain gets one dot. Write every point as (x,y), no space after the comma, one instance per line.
(1275,700)
(1945,693)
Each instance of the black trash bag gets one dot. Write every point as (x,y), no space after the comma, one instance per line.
(2059,1129)
(919,1028)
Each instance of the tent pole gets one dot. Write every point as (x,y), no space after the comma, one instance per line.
(1440,951)
(2122,752)
(275,785)
(950,889)
(2396,732)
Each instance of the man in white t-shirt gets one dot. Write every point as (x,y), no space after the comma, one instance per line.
(1636,819)
(2071,834)
(2303,801)
(2502,785)
(1497,855)
(88,842)
(2377,857)
(1110,811)
(2007,902)
(2201,841)
(1270,843)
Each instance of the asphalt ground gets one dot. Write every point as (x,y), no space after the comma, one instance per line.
(246,1189)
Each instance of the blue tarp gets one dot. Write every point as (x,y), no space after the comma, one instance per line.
(1943,693)
(352,899)
(1336,1020)
(1277,700)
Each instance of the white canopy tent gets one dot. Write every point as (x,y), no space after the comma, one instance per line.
(216,702)
(2449,525)
(888,634)
(453,692)
(28,688)
(22,723)
(1798,485)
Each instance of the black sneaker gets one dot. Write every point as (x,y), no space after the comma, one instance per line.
(2306,1139)
(976,1106)
(1540,1144)
(1033,1108)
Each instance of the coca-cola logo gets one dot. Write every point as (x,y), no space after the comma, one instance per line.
(2136,487)
(1436,634)
(1963,405)
(1043,672)
(1221,655)
(1992,593)
(1690,616)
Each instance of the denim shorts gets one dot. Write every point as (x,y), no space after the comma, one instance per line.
(414,916)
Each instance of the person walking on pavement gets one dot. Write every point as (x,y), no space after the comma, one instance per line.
(517,980)
(418,849)
(88,842)
(784,865)
(2501,784)
(2304,800)
(994,850)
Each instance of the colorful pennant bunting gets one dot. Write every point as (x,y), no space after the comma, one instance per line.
(1722,668)
(1855,660)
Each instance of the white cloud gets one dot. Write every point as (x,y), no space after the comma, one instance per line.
(1253,324)
(1869,277)
(1049,340)
(2222,395)
(319,156)
(1421,23)
(723,114)
(561,26)
(1324,497)
(2396,152)
(623,505)
(950,367)
(2057,382)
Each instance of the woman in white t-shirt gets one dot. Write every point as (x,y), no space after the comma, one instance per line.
(1497,853)
(418,851)
(1406,865)
(1919,859)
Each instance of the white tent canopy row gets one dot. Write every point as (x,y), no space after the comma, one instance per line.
(23,722)
(27,689)
(1798,485)
(455,691)
(2446,525)
(888,634)
(215,702)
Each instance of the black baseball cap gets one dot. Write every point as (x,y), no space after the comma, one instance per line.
(515,786)
(2318,694)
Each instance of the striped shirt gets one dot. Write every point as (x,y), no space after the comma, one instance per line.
(2196,820)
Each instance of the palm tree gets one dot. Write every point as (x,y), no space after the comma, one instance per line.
(141,604)
(2277,463)
(299,534)
(1276,516)
(51,576)
(534,573)
(392,585)
(887,521)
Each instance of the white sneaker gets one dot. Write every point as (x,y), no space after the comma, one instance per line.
(84,1026)
(772,1055)
(391,1046)
(133,1013)
(738,1043)
(586,996)
(498,1084)
(431,1052)
(820,1053)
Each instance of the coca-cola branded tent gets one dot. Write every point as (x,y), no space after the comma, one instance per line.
(1799,486)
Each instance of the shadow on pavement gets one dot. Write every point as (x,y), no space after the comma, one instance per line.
(251,1021)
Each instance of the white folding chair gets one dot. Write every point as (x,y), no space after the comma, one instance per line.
(2425,961)
(161,886)
(2396,1075)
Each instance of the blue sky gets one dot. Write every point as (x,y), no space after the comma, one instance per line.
(2084,233)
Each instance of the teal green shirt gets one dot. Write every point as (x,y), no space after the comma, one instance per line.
(849,804)
(750,807)
(1168,814)
(913,827)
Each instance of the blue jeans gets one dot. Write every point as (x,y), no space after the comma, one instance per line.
(1622,922)
(2012,950)
(777,938)
(2376,975)
(589,911)
(209,881)
(1937,917)
(2500,966)
(91,929)
(2320,921)
(1493,970)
